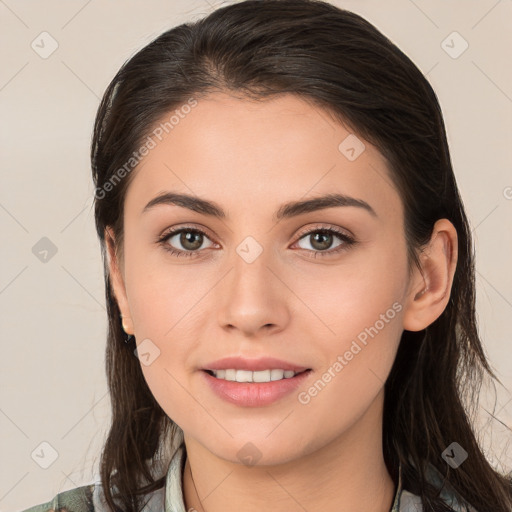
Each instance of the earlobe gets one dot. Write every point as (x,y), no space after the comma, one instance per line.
(117,281)
(431,287)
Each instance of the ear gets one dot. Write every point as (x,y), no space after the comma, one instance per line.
(117,281)
(430,288)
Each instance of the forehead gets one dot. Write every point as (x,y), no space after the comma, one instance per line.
(244,153)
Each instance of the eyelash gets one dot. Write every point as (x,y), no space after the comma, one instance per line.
(348,241)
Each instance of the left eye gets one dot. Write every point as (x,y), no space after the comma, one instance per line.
(321,240)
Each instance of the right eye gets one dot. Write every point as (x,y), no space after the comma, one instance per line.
(191,239)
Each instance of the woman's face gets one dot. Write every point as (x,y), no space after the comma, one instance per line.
(264,281)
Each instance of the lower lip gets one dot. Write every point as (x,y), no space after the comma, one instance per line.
(254,394)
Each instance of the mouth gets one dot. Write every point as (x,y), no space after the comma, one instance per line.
(248,376)
(248,388)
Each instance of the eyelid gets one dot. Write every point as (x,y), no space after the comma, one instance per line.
(186,227)
(305,231)
(324,227)
(345,236)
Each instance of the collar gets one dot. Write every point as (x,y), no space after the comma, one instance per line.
(174,489)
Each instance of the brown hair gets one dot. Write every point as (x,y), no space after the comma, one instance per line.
(342,63)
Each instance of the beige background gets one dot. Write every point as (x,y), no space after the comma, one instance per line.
(53,318)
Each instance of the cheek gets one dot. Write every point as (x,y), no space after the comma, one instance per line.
(168,308)
(358,324)
(345,299)
(159,292)
(171,389)
(167,311)
(356,364)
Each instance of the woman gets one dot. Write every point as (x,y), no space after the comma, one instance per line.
(289,276)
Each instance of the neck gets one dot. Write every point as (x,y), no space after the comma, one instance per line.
(346,474)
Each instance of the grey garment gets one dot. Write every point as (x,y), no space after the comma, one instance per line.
(154,501)
(90,498)
(448,493)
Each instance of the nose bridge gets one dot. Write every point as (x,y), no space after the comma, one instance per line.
(251,279)
(252,297)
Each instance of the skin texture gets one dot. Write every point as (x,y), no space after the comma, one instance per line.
(250,157)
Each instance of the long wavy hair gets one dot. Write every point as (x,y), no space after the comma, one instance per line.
(340,62)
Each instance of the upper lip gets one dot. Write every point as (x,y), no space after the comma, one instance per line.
(262,363)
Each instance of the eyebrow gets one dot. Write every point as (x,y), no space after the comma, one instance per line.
(286,211)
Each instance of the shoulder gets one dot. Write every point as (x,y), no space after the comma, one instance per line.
(410,502)
(91,498)
(79,499)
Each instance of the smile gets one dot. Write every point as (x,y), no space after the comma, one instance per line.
(242,387)
(234,375)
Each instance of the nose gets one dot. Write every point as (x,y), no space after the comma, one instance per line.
(253,298)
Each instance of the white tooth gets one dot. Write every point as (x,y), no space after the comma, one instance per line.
(276,374)
(230,375)
(250,376)
(243,376)
(261,376)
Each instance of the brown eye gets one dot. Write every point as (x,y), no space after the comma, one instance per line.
(322,242)
(191,241)
(185,240)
